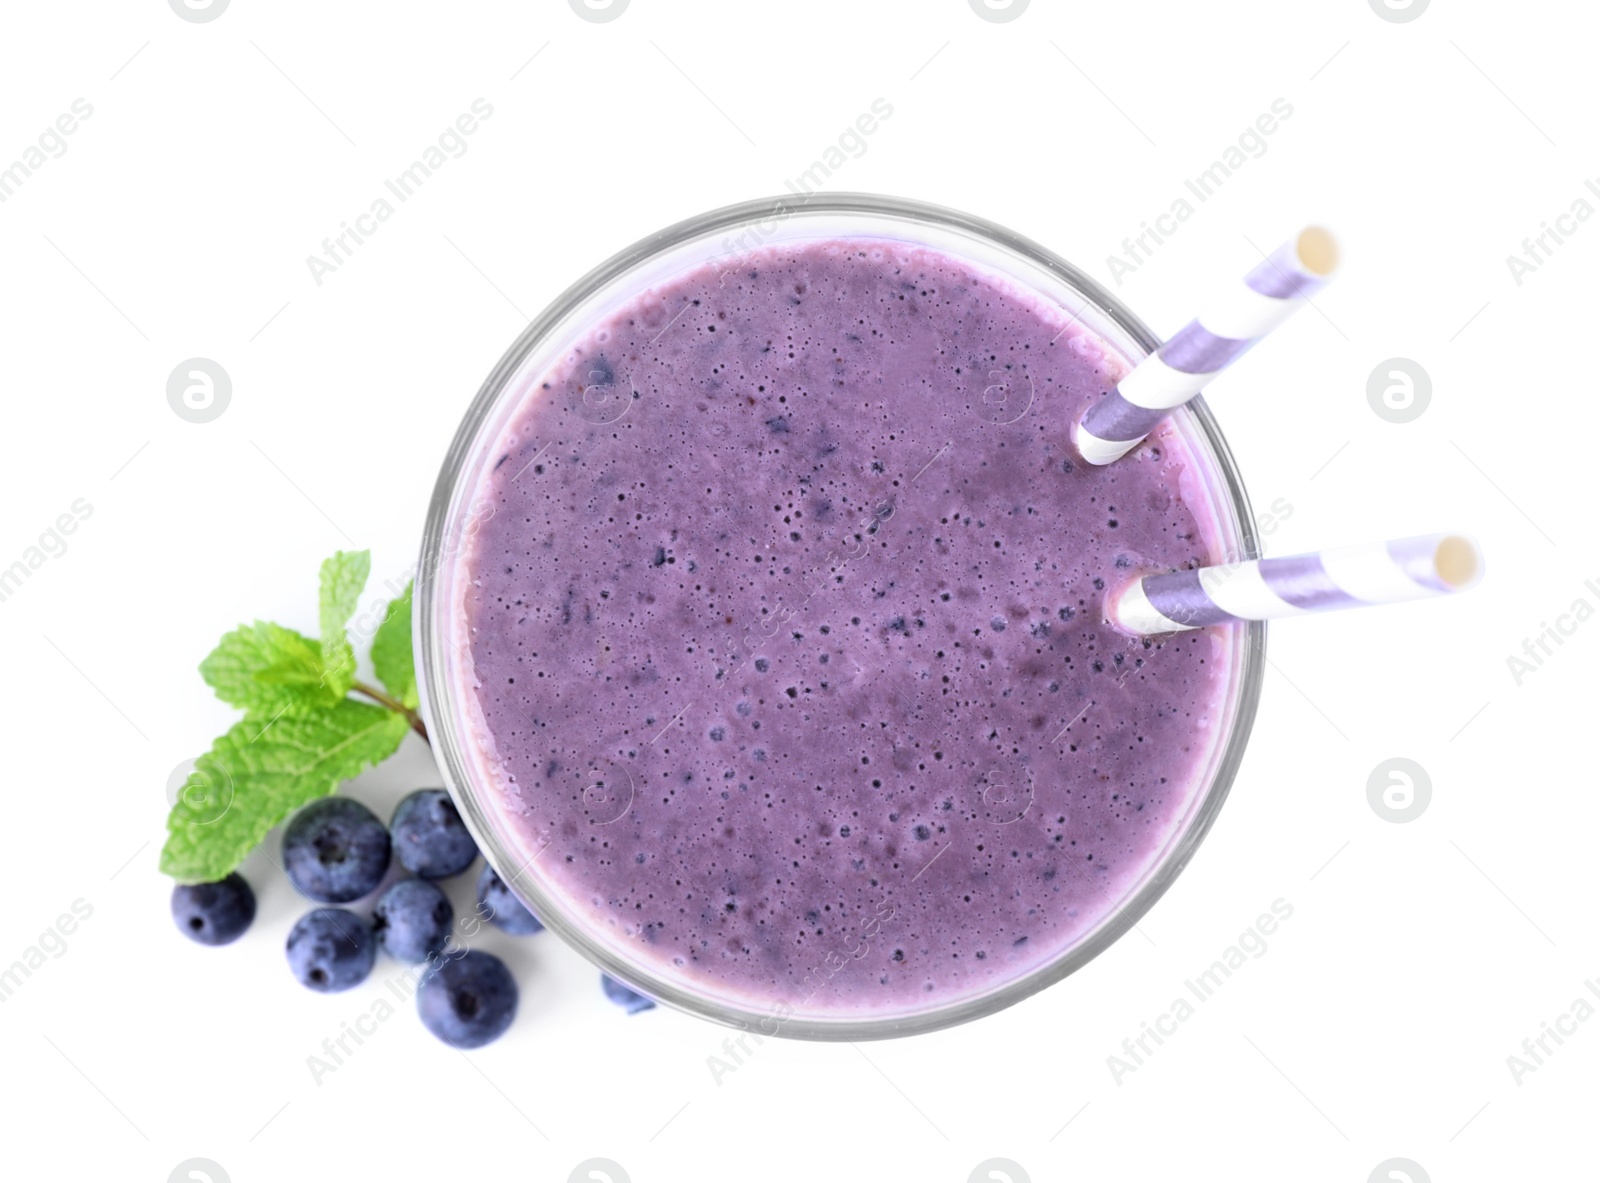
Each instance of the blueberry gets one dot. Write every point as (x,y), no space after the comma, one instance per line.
(335,850)
(412,920)
(502,909)
(469,1000)
(331,949)
(429,838)
(214,913)
(628,999)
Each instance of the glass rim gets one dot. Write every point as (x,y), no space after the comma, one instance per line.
(435,690)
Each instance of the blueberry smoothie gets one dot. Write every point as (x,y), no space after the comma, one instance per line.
(788,662)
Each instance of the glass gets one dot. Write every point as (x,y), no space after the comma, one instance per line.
(712,238)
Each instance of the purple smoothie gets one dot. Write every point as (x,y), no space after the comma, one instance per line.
(787,646)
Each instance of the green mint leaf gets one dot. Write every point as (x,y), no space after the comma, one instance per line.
(266,669)
(343,577)
(260,772)
(391,650)
(294,673)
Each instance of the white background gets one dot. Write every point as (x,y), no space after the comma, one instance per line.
(219,155)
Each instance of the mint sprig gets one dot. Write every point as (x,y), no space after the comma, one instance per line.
(302,733)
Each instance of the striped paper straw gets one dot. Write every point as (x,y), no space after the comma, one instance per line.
(1177,371)
(1265,589)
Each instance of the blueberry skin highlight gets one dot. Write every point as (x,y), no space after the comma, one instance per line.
(500,907)
(467,1001)
(331,949)
(430,839)
(626,997)
(412,920)
(335,850)
(214,913)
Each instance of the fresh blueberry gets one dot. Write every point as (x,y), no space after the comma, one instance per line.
(429,838)
(412,920)
(502,909)
(469,1000)
(335,850)
(214,913)
(331,949)
(628,999)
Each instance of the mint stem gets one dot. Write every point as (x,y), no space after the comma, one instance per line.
(394,704)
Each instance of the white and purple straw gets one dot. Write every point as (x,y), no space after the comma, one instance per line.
(1265,589)
(1178,370)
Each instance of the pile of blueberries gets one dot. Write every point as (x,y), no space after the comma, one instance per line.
(336,851)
